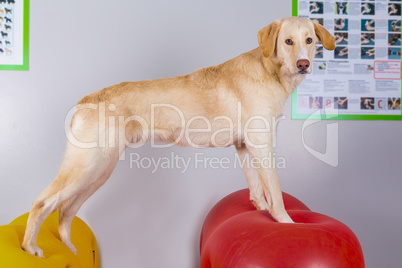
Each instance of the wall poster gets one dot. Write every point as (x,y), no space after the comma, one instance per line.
(14,35)
(361,78)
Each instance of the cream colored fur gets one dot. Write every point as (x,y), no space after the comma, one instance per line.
(227,103)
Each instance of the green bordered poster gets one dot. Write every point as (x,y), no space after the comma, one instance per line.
(361,78)
(14,35)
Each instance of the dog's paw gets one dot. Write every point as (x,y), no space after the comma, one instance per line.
(33,250)
(72,248)
(260,205)
(70,245)
(283,219)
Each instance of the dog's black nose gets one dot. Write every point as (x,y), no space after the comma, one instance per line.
(303,64)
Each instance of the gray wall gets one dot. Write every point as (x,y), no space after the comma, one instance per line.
(80,47)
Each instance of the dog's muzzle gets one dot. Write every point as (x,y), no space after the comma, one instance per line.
(303,66)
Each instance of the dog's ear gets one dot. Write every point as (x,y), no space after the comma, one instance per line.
(327,40)
(267,38)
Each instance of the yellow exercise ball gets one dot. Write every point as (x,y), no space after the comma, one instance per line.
(56,253)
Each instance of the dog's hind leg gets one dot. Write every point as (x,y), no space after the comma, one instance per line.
(69,209)
(55,194)
(82,173)
(86,166)
(253,180)
(67,213)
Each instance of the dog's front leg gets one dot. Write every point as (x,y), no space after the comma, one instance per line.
(261,150)
(253,180)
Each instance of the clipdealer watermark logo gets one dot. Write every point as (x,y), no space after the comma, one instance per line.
(204,161)
(258,132)
(331,154)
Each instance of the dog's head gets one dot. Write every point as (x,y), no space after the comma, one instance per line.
(292,42)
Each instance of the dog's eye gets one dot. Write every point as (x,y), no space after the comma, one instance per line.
(289,42)
(309,40)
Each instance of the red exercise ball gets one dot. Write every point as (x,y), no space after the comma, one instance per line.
(235,234)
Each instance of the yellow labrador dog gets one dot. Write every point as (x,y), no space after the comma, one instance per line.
(234,103)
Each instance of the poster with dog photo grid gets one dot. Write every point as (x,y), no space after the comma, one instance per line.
(361,78)
(14,24)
